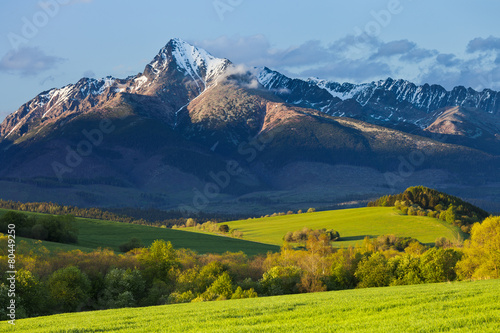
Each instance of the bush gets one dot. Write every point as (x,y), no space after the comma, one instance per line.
(240,293)
(224,228)
(133,243)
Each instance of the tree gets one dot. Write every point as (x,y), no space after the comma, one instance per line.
(159,261)
(344,264)
(69,288)
(482,252)
(190,222)
(32,294)
(438,265)
(281,280)
(224,228)
(407,270)
(451,215)
(122,288)
(208,274)
(373,271)
(311,210)
(288,237)
(220,289)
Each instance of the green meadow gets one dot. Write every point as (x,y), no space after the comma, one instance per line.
(352,224)
(450,307)
(108,234)
(263,234)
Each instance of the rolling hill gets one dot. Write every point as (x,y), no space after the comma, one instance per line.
(352,224)
(108,234)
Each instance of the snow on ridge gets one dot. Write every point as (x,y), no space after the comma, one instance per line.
(265,76)
(108,82)
(140,81)
(343,95)
(193,59)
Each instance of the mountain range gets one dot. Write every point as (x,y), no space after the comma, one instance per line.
(198,133)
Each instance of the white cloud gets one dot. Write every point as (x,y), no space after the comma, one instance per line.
(28,61)
(363,59)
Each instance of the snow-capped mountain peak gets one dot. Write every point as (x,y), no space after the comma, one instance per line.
(194,62)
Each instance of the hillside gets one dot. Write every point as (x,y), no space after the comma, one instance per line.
(423,201)
(352,224)
(457,307)
(108,234)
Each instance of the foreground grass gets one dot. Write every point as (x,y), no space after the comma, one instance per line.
(108,234)
(455,307)
(352,224)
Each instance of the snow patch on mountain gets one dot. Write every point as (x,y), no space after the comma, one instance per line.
(194,62)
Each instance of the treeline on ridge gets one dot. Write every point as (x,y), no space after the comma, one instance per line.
(150,216)
(423,201)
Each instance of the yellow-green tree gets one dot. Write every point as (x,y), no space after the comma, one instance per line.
(159,261)
(482,251)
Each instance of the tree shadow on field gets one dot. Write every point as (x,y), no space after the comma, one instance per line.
(355,238)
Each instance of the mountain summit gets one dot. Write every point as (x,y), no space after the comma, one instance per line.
(178,73)
(195,131)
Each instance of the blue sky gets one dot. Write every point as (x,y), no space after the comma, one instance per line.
(51,43)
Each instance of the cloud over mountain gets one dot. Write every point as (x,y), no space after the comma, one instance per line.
(365,58)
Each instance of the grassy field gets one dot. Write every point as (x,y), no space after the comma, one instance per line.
(107,234)
(352,224)
(263,234)
(453,307)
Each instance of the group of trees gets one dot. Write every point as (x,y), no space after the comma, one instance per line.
(423,201)
(75,281)
(52,228)
(301,236)
(210,226)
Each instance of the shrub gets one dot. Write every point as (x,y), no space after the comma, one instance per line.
(133,243)
(224,228)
